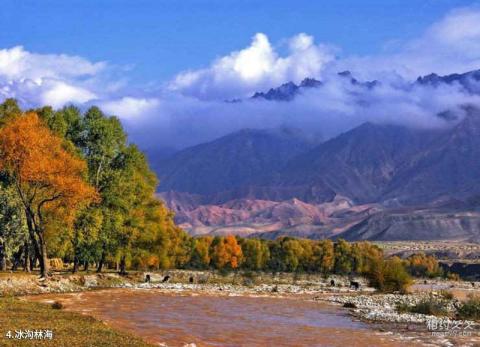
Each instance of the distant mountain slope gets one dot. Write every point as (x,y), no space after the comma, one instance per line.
(339,218)
(358,164)
(417,225)
(235,160)
(372,163)
(449,167)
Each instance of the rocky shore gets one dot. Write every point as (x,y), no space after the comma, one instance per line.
(383,307)
(179,281)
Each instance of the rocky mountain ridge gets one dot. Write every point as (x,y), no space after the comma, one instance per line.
(413,182)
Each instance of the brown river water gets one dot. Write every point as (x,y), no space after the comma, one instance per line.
(211,320)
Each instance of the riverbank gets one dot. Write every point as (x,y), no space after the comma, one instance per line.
(19,284)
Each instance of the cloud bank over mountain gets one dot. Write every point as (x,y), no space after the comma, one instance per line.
(192,108)
(255,67)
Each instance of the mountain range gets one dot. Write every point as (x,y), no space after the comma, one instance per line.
(375,181)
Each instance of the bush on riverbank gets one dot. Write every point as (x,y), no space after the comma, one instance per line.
(429,306)
(470,309)
(390,276)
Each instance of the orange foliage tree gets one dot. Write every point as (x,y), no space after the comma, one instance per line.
(49,180)
(226,252)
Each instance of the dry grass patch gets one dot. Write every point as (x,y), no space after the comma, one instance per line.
(69,329)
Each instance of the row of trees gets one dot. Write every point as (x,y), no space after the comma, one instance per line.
(73,187)
(302,255)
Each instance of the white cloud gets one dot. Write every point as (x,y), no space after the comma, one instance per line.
(58,93)
(53,79)
(18,64)
(130,108)
(254,68)
(450,45)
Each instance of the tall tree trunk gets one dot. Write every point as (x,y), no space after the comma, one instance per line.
(75,264)
(17,256)
(26,257)
(123,265)
(3,257)
(102,260)
(33,261)
(33,239)
(44,265)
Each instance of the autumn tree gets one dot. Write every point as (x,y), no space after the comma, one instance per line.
(226,252)
(395,276)
(48,179)
(365,257)
(323,256)
(423,265)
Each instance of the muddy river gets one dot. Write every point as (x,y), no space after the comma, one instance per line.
(208,320)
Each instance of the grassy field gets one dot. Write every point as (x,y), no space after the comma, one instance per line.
(69,329)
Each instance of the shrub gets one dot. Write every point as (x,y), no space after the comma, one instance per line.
(402,307)
(224,272)
(430,306)
(395,276)
(470,309)
(445,294)
(452,276)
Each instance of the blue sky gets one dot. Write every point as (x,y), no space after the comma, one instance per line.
(165,68)
(160,38)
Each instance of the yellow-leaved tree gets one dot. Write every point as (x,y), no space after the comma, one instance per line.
(49,180)
(227,253)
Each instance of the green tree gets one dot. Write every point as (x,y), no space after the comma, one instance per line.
(9,109)
(285,254)
(201,252)
(13,232)
(256,254)
(102,142)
